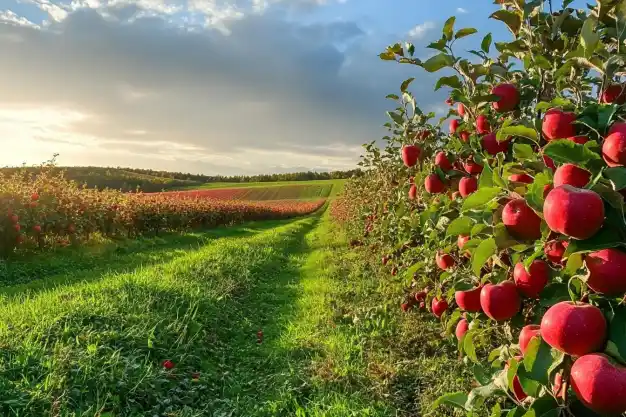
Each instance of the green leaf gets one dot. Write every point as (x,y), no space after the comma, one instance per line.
(437,62)
(395,117)
(392,97)
(604,239)
(485,250)
(534,195)
(574,263)
(537,360)
(405,84)
(523,152)
(617,331)
(451,81)
(589,39)
(465,32)
(468,346)
(440,45)
(486,178)
(481,197)
(565,151)
(480,393)
(485,45)
(454,399)
(448,28)
(512,19)
(617,176)
(460,226)
(387,56)
(522,131)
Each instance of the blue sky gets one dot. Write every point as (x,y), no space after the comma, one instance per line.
(212,86)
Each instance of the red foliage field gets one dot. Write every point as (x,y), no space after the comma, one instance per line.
(46,210)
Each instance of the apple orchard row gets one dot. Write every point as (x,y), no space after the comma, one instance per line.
(47,210)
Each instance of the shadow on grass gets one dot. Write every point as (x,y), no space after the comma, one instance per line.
(34,273)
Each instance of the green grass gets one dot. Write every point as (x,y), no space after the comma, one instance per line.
(88,337)
(337,185)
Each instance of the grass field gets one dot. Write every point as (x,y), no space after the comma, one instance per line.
(337,185)
(88,335)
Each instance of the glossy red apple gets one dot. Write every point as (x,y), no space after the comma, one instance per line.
(600,384)
(433,184)
(482,125)
(454,125)
(572,175)
(467,186)
(523,178)
(558,124)
(607,271)
(617,127)
(37,228)
(574,328)
(465,136)
(439,306)
(614,149)
(574,212)
(518,391)
(492,146)
(614,93)
(532,281)
(581,140)
(508,97)
(469,300)
(527,333)
(548,162)
(472,167)
(444,260)
(500,301)
(410,155)
(461,328)
(554,250)
(462,240)
(521,221)
(460,109)
(412,192)
(442,161)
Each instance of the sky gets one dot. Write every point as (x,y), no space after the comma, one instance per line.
(212,86)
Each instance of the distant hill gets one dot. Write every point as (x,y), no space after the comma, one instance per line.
(132,179)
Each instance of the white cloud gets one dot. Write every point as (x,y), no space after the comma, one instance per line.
(420,31)
(461,10)
(7,16)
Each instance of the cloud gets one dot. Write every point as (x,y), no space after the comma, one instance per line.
(461,10)
(119,87)
(419,31)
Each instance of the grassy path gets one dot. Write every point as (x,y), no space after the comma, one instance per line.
(89,336)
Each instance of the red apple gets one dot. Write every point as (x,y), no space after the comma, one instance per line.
(442,161)
(614,149)
(546,189)
(461,328)
(444,260)
(17,227)
(521,221)
(531,282)
(554,250)
(14,218)
(421,295)
(581,140)
(462,240)
(454,125)
(37,228)
(460,109)
(574,328)
(455,195)
(618,127)
(439,306)
(472,167)
(412,192)
(500,301)
(492,146)
(465,136)
(433,184)
(394,271)
(469,300)
(34,197)
(574,212)
(405,307)
(410,155)
(482,125)
(385,260)
(467,186)
(523,178)
(548,162)
(606,271)
(614,93)
(572,175)
(509,97)
(424,135)
(449,101)
(558,124)
(600,384)
(518,391)
(527,333)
